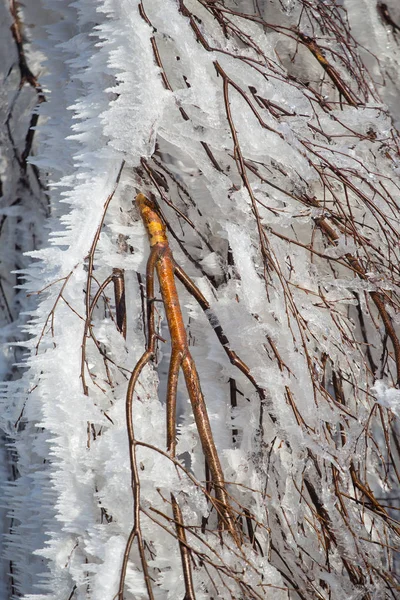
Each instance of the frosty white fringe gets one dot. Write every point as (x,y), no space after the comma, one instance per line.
(261,135)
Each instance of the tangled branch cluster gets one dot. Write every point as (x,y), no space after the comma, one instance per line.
(267,165)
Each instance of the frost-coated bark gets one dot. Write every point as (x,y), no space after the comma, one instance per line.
(265,132)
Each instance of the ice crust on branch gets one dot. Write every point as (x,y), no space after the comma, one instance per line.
(261,131)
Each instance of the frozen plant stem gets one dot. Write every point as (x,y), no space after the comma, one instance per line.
(162,261)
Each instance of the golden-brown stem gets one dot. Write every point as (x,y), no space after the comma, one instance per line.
(173,376)
(166,267)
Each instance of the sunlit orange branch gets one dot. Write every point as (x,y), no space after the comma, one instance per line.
(161,260)
(164,264)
